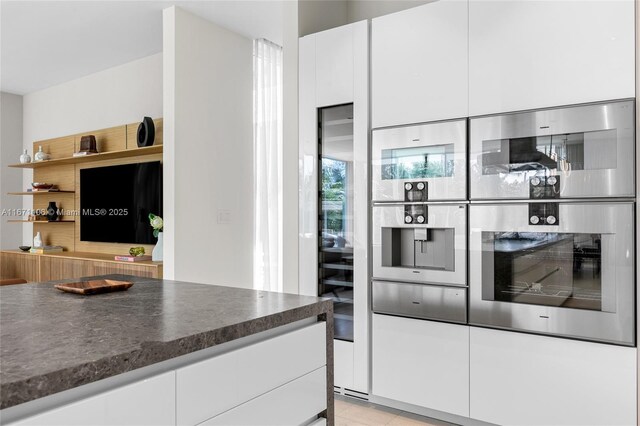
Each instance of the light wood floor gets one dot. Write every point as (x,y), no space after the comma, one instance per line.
(352,412)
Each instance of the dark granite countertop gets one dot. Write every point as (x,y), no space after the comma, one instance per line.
(52,341)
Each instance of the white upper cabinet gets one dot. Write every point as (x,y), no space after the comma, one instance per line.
(334,66)
(533,54)
(419,67)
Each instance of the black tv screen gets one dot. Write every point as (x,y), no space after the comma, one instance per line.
(115,202)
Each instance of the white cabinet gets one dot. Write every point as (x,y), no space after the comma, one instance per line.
(424,363)
(334,66)
(531,54)
(523,379)
(333,70)
(147,402)
(291,404)
(419,69)
(210,387)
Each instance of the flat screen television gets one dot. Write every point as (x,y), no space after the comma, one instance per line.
(115,202)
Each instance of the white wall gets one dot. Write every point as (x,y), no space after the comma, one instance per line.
(116,96)
(10,179)
(319,15)
(208,156)
(113,97)
(358,10)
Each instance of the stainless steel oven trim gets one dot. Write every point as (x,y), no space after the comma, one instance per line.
(439,216)
(607,218)
(618,182)
(443,188)
(415,203)
(563,201)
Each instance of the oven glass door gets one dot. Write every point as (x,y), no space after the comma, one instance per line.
(420,243)
(572,278)
(434,153)
(588,151)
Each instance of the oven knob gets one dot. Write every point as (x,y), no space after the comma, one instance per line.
(408,186)
(420,218)
(551,180)
(551,220)
(420,186)
(535,181)
(408,219)
(534,220)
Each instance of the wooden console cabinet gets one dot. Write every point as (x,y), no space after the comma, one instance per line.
(58,266)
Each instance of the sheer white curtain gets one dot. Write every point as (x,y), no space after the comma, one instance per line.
(267,139)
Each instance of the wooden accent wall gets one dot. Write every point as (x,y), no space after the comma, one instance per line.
(67,178)
(56,148)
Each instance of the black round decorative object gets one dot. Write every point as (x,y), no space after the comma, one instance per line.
(146,132)
(52,211)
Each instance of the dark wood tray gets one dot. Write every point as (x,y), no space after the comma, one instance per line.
(94,286)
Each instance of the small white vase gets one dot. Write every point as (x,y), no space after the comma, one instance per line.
(156,254)
(25,158)
(41,155)
(37,241)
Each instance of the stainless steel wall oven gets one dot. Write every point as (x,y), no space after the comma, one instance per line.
(562,268)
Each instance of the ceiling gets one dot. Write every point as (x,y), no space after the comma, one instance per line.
(45,43)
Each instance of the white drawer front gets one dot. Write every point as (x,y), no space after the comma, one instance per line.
(147,402)
(210,387)
(291,404)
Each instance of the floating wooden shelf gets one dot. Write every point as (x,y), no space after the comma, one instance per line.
(41,192)
(156,149)
(40,221)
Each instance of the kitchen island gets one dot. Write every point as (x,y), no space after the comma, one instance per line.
(164,352)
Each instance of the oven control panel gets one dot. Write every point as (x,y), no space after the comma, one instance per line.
(415,191)
(544,187)
(544,214)
(416,214)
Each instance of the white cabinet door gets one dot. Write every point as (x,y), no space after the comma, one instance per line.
(291,404)
(147,402)
(334,66)
(419,66)
(532,54)
(523,379)
(423,363)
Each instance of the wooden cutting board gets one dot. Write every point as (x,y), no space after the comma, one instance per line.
(94,286)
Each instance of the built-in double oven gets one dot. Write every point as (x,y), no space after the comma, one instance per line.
(546,229)
(419,218)
(551,222)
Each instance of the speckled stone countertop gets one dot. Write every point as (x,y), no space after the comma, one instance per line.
(52,341)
